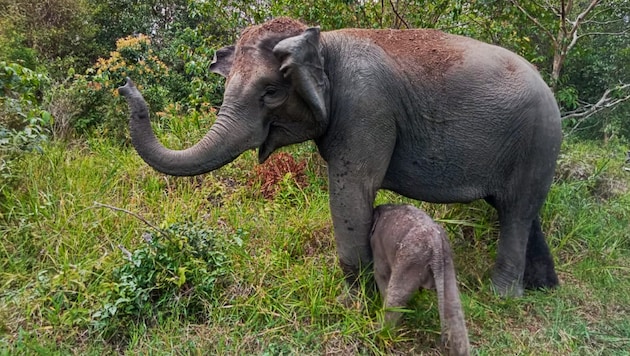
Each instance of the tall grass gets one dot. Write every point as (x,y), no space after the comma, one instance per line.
(64,254)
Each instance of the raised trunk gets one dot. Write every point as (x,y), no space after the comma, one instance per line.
(217,148)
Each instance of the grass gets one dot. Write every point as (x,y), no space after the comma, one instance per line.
(62,260)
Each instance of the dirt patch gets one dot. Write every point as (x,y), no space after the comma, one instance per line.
(607,188)
(567,170)
(432,50)
(339,345)
(604,184)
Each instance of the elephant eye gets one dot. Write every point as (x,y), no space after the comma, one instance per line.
(274,97)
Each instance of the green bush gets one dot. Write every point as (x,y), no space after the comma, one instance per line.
(178,271)
(23,124)
(97,109)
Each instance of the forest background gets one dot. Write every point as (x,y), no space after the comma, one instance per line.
(99,253)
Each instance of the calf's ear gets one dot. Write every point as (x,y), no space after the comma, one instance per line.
(222,62)
(301,61)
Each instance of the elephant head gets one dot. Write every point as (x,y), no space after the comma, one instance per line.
(275,95)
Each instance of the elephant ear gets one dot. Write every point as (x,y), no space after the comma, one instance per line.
(302,62)
(222,62)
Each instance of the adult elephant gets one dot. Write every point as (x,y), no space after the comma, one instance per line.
(432,116)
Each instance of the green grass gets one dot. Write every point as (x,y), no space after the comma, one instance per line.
(60,252)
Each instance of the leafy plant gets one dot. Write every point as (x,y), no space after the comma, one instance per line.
(23,124)
(180,269)
(567,98)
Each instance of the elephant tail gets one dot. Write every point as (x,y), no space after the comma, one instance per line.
(454,332)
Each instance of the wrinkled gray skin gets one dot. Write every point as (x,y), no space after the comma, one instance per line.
(412,252)
(432,116)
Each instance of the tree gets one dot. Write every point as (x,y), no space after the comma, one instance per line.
(576,21)
(56,31)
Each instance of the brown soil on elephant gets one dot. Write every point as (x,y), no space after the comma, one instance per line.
(268,35)
(432,50)
(280,25)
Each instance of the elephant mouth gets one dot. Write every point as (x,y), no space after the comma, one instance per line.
(268,146)
(264,151)
(278,135)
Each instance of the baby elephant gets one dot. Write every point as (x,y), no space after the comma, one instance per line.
(411,251)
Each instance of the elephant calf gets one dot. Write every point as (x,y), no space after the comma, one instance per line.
(411,252)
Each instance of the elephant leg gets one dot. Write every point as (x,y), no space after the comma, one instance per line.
(382,272)
(539,267)
(351,206)
(523,257)
(507,276)
(405,280)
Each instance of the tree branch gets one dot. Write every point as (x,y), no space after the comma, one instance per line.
(605,33)
(604,102)
(578,21)
(602,23)
(397,14)
(534,20)
(137,216)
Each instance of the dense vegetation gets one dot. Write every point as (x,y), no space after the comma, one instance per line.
(101,254)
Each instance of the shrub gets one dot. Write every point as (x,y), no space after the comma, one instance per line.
(97,105)
(23,124)
(179,270)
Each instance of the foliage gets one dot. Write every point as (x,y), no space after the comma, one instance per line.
(23,124)
(572,34)
(123,18)
(134,58)
(589,72)
(98,107)
(178,270)
(190,82)
(58,32)
(12,45)
(96,95)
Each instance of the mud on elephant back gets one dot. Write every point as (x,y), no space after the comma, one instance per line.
(432,116)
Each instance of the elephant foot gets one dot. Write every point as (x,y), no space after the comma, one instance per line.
(351,274)
(505,288)
(540,271)
(350,298)
(351,295)
(540,278)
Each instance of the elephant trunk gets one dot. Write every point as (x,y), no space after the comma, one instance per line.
(216,149)
(454,332)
